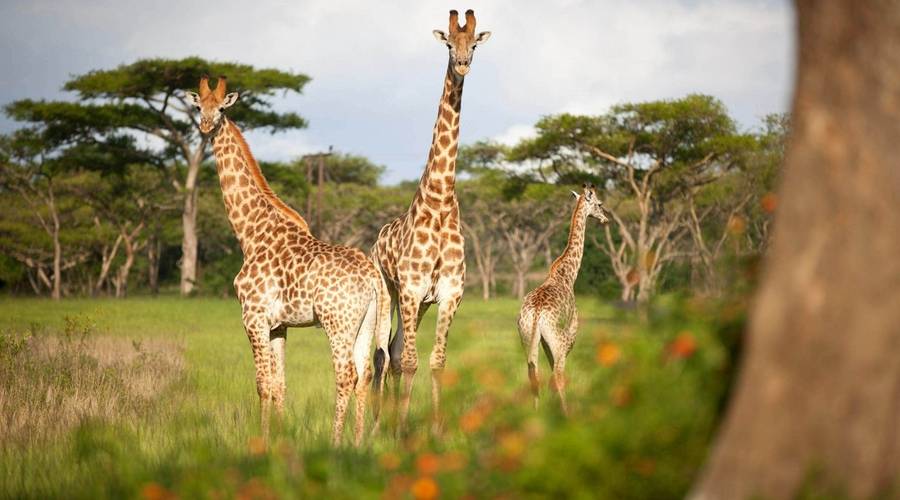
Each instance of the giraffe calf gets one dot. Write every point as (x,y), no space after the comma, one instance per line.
(549,317)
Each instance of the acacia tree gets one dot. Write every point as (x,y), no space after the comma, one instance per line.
(32,169)
(529,221)
(648,156)
(146,98)
(816,402)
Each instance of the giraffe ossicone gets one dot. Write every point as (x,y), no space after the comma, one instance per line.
(289,278)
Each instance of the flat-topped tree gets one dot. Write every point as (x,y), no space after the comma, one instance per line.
(648,156)
(146,97)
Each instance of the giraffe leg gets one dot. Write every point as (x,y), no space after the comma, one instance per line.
(341,337)
(559,365)
(551,360)
(258,333)
(559,382)
(446,311)
(409,358)
(362,369)
(278,338)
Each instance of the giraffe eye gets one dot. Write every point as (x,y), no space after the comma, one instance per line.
(448,46)
(222,109)
(197,108)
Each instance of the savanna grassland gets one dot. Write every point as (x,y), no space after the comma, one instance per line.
(156,398)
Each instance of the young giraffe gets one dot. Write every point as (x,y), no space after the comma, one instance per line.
(548,315)
(289,278)
(421,252)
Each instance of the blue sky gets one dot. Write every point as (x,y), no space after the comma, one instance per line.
(377,71)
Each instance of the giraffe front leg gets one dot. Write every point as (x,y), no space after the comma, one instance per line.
(278,339)
(409,358)
(446,312)
(258,333)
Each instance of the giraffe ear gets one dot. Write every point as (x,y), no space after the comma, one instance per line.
(482,37)
(193,98)
(229,100)
(576,195)
(440,36)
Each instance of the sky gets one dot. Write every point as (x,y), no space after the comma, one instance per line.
(377,71)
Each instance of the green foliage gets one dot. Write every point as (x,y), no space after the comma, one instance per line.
(645,397)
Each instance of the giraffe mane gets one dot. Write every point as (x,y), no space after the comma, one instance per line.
(261,182)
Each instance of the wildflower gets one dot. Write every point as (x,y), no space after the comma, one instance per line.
(428,464)
(683,346)
(608,353)
(424,488)
(769,202)
(155,491)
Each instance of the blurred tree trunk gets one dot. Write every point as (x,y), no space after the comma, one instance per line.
(154,247)
(819,390)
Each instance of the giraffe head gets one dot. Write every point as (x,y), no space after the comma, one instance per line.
(592,203)
(211,103)
(461,41)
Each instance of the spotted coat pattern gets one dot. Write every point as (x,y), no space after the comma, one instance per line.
(291,279)
(421,253)
(548,316)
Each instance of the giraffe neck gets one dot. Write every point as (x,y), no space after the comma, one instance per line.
(248,197)
(438,182)
(565,267)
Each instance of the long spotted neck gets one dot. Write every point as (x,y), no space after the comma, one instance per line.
(565,267)
(248,197)
(438,182)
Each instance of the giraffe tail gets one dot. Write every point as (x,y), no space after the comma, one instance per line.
(382,338)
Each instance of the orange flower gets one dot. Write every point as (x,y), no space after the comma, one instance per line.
(256,445)
(471,421)
(428,464)
(736,225)
(683,346)
(769,202)
(512,444)
(424,488)
(155,491)
(608,353)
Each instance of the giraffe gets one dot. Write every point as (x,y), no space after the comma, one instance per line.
(548,315)
(421,252)
(288,277)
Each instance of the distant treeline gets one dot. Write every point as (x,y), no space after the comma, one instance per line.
(114,192)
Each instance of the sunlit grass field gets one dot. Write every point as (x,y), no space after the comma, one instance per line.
(644,396)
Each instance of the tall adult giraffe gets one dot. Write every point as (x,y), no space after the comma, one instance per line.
(289,278)
(421,252)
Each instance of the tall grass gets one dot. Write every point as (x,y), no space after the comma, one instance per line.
(644,399)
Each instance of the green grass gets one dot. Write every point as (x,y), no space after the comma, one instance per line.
(640,424)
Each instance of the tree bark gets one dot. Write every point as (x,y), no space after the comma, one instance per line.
(57,246)
(819,388)
(189,236)
(154,247)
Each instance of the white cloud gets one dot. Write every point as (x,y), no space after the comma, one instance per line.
(377,70)
(515,133)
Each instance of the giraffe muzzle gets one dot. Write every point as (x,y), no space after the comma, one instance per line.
(461,69)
